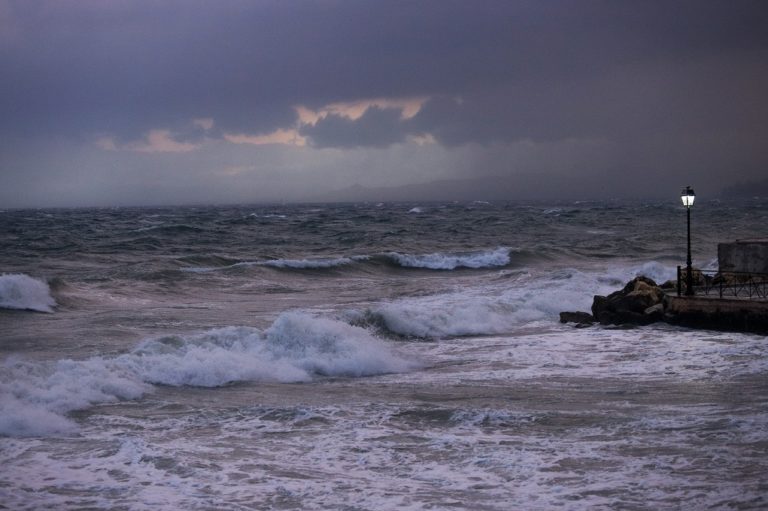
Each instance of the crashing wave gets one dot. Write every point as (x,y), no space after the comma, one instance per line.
(35,397)
(499,309)
(20,291)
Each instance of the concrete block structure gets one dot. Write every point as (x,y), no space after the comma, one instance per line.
(747,256)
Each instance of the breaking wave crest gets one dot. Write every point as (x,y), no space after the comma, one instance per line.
(321,263)
(19,291)
(35,397)
(495,258)
(441,261)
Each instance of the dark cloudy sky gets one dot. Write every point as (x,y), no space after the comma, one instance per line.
(163,102)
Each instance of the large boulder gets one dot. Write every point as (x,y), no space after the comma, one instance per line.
(638,303)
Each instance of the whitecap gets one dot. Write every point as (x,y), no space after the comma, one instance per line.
(319,263)
(296,264)
(447,261)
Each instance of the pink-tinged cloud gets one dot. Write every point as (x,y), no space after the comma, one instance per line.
(354,110)
(351,111)
(155,141)
(161,141)
(280,136)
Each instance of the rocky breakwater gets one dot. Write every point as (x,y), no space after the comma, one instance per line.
(640,302)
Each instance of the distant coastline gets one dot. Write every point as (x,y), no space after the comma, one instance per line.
(746,190)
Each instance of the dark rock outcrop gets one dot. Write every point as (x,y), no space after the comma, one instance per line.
(640,302)
(580,318)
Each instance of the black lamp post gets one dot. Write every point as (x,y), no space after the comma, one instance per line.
(687,196)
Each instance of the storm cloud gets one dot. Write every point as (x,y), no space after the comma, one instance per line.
(239,101)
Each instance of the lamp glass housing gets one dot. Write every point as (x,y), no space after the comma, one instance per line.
(687,196)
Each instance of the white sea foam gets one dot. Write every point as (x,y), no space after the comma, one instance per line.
(502,449)
(644,354)
(34,397)
(19,291)
(441,261)
(296,347)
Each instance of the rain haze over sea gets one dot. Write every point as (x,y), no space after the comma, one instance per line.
(369,356)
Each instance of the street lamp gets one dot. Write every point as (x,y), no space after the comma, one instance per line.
(687,196)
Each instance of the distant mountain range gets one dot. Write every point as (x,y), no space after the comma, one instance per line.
(486,188)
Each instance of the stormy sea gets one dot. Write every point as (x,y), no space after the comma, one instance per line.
(369,356)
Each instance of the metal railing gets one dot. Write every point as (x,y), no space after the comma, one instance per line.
(725,284)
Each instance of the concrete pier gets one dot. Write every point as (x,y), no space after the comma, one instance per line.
(732,314)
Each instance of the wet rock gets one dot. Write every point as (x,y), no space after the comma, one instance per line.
(580,318)
(635,304)
(670,284)
(654,309)
(655,312)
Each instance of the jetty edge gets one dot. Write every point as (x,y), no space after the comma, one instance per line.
(642,302)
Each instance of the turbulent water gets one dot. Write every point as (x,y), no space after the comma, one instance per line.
(366,357)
